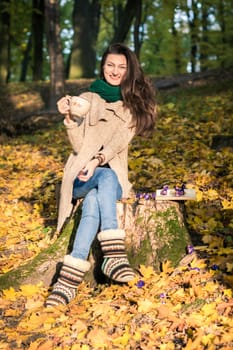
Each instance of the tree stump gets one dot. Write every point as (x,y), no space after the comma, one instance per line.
(155,232)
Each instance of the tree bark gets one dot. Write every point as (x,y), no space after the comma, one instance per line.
(204,36)
(86,22)
(5,41)
(138,29)
(26,60)
(55,52)
(125,21)
(155,232)
(176,41)
(37,38)
(192,14)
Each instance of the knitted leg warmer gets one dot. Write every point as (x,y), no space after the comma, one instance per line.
(116,265)
(71,275)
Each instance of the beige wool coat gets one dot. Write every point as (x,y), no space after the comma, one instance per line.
(107,128)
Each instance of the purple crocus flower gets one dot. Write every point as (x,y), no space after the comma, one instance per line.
(163,192)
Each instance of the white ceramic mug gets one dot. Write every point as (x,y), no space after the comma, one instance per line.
(79,106)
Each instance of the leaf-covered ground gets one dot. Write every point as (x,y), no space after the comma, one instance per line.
(190,307)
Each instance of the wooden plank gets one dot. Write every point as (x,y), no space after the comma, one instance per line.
(189,194)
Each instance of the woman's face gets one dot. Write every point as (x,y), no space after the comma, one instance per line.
(115,68)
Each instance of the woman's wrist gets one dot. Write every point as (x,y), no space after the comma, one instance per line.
(96,160)
(100,158)
(67,118)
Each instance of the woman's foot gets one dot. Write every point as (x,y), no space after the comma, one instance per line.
(116,265)
(70,276)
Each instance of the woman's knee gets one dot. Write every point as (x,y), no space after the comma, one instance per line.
(109,184)
(109,176)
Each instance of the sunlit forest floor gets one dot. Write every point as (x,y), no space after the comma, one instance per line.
(189,307)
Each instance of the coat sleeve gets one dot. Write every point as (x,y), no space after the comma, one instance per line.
(76,129)
(75,134)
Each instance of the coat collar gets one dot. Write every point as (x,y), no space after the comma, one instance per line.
(99,107)
(118,109)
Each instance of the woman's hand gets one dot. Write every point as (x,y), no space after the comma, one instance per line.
(63,106)
(87,172)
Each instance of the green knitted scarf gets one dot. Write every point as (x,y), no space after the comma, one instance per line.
(108,92)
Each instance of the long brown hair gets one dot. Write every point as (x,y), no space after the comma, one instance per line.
(137,90)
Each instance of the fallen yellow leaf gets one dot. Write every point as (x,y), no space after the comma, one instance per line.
(147,271)
(123,340)
(145,306)
(10,294)
(48,345)
(12,312)
(30,290)
(98,338)
(167,267)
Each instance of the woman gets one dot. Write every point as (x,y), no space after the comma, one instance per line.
(121,105)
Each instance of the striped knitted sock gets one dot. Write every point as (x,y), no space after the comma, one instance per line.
(116,265)
(71,275)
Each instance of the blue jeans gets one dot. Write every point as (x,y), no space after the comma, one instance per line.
(100,193)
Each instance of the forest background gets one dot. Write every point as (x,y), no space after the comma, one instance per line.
(58,40)
(49,48)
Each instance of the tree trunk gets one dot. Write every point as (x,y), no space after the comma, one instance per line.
(26,60)
(86,22)
(204,37)
(138,29)
(176,41)
(192,14)
(37,39)
(155,232)
(125,21)
(5,41)
(55,52)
